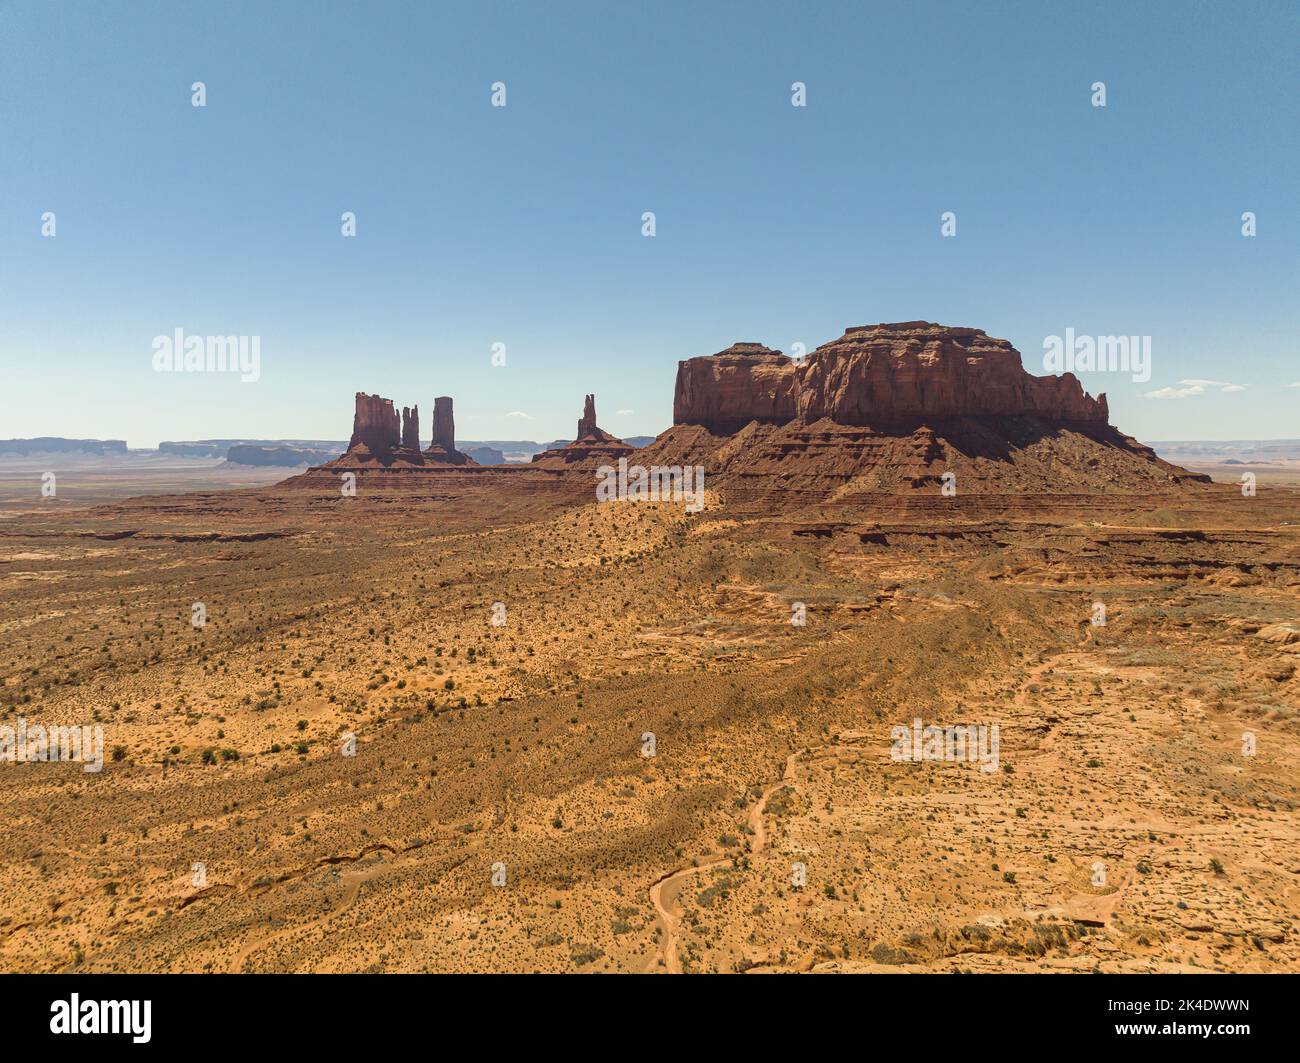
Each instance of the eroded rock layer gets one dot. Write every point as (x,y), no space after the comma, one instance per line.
(1015,459)
(877,374)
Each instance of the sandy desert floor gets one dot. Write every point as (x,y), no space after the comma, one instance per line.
(500,812)
(92,482)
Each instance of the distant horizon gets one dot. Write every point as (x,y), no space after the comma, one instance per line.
(522,439)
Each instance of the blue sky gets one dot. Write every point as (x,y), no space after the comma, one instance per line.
(522,225)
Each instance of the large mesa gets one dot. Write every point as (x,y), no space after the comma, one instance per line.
(897,408)
(884,374)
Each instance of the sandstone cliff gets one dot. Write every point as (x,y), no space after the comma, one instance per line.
(877,375)
(724,392)
(374,424)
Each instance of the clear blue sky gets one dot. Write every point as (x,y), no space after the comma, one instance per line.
(523,225)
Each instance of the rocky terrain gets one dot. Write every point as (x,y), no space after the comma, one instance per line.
(469,718)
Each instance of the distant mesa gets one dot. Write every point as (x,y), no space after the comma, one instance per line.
(59,445)
(593,446)
(286,456)
(196,448)
(255,452)
(485,455)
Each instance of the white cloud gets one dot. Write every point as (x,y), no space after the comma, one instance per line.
(519,413)
(626,413)
(1188,388)
(1174,393)
(1295,385)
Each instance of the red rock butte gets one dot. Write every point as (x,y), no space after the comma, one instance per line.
(380,437)
(592,448)
(884,374)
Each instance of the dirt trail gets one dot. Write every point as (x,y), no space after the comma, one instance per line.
(669,922)
(756,813)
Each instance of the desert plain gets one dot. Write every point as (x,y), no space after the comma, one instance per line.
(517,750)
